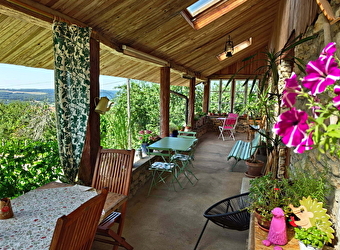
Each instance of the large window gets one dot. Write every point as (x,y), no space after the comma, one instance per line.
(229,96)
(220,97)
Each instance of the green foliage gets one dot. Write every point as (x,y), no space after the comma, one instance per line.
(114,129)
(27,120)
(326,135)
(311,236)
(144,113)
(306,183)
(26,165)
(267,193)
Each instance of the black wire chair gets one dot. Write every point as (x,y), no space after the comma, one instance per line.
(230,213)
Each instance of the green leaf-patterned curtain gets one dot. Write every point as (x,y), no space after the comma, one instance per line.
(72,92)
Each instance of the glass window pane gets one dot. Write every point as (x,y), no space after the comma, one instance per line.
(239,101)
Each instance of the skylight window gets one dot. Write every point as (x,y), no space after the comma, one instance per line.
(200,6)
(203,12)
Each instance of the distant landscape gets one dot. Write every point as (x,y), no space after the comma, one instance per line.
(43,95)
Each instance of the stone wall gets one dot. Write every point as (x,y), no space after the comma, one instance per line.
(311,160)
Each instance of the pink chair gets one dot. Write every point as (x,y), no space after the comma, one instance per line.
(228,126)
(232,115)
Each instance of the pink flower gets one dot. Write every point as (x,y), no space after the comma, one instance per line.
(290,91)
(336,99)
(327,51)
(141,132)
(315,109)
(306,144)
(147,132)
(292,126)
(321,73)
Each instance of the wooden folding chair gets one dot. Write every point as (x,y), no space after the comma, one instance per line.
(77,230)
(114,170)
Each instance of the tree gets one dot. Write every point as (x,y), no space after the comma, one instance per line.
(145,113)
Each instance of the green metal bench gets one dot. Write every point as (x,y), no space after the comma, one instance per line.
(243,150)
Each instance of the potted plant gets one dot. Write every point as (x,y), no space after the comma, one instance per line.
(267,192)
(146,137)
(267,79)
(314,228)
(310,238)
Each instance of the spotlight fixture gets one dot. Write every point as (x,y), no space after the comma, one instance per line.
(229,48)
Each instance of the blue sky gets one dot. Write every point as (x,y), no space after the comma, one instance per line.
(21,77)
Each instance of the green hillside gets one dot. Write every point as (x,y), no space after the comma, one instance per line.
(43,95)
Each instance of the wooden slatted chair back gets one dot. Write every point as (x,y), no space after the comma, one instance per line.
(77,230)
(114,170)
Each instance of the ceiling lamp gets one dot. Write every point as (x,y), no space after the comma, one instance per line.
(234,50)
(229,48)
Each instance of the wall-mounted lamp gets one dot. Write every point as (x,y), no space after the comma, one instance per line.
(102,106)
(229,48)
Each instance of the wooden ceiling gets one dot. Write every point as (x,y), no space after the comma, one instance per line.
(153,27)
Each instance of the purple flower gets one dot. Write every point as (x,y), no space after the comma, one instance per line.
(147,132)
(292,126)
(327,51)
(321,73)
(290,91)
(306,144)
(141,132)
(336,99)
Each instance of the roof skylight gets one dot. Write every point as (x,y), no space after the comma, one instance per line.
(203,12)
(200,6)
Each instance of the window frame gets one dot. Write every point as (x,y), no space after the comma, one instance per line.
(211,14)
(233,95)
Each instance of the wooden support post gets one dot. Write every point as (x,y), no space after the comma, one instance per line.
(164,100)
(92,141)
(206,94)
(191,113)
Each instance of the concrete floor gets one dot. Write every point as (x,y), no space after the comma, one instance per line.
(169,220)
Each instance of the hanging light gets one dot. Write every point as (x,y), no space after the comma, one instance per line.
(229,48)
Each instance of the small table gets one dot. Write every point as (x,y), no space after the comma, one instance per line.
(36,213)
(175,143)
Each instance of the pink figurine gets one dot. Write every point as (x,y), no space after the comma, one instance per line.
(277,232)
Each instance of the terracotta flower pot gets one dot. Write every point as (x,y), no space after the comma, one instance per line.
(254,169)
(263,224)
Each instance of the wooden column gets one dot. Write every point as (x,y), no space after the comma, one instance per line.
(92,141)
(164,100)
(191,111)
(206,95)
